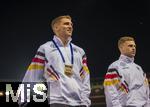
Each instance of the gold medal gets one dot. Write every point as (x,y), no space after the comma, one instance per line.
(68,70)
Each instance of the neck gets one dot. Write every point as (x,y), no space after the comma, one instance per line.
(64,40)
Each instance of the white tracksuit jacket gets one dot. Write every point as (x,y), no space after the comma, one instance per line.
(48,65)
(126,85)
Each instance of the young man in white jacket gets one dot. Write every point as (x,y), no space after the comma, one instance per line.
(125,83)
(63,65)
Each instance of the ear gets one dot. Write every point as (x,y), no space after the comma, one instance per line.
(55,27)
(120,48)
(56,24)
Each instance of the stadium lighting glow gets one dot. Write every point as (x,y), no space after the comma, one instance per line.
(1,93)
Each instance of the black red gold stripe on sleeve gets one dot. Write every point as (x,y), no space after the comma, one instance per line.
(52,74)
(84,56)
(111,82)
(126,83)
(84,59)
(125,88)
(54,70)
(81,71)
(34,67)
(40,54)
(114,70)
(38,60)
(111,76)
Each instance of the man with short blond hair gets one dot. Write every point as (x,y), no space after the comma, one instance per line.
(63,65)
(125,82)
(124,39)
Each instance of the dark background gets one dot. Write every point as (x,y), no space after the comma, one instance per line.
(98,24)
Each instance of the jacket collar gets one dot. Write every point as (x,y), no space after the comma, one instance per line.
(59,42)
(126,59)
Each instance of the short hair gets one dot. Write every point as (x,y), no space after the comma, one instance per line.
(124,39)
(57,19)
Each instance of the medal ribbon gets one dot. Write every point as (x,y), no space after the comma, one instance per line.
(71,49)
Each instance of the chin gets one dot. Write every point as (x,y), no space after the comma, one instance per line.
(132,56)
(69,35)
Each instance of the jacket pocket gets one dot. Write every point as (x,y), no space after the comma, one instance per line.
(55,89)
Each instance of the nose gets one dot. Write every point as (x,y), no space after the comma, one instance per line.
(133,48)
(70,27)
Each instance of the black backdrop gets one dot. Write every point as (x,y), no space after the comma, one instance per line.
(97,26)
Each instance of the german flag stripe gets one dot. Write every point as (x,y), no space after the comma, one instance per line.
(38,60)
(85,68)
(82,76)
(52,73)
(126,89)
(82,73)
(35,67)
(81,69)
(40,54)
(111,82)
(51,76)
(126,83)
(114,70)
(84,61)
(111,76)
